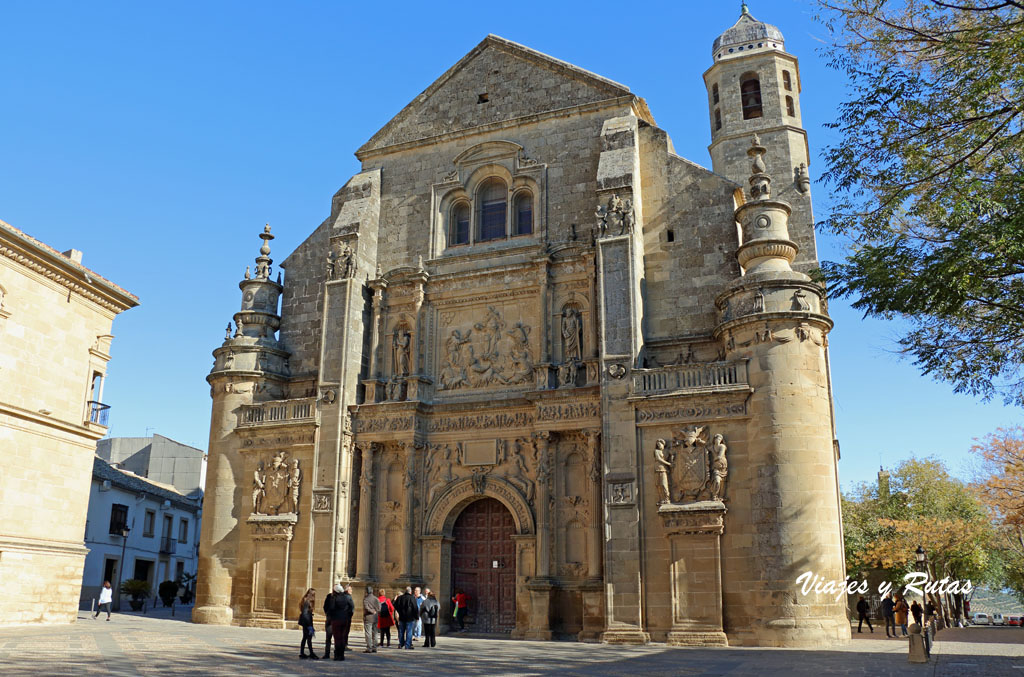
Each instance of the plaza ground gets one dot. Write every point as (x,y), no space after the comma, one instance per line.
(157,644)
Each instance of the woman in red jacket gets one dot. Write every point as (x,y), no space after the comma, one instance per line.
(461,601)
(386,618)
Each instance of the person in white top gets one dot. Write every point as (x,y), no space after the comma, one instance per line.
(106,597)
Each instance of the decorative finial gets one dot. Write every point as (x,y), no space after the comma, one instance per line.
(247,275)
(263,261)
(760,182)
(743,8)
(227,333)
(419,262)
(279,277)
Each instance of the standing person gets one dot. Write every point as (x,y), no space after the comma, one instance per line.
(430,610)
(408,613)
(888,614)
(900,612)
(461,601)
(342,608)
(916,610)
(306,624)
(386,618)
(418,630)
(328,629)
(106,597)
(371,608)
(862,612)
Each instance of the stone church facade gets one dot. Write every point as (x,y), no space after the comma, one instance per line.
(534,354)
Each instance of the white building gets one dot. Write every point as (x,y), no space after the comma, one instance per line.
(154,525)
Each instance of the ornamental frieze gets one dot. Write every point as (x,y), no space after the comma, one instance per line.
(259,443)
(381,425)
(691,413)
(520,419)
(562,412)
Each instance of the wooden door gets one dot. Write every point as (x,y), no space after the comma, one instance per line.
(484,565)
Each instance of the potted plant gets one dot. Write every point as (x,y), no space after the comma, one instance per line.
(167,591)
(138,590)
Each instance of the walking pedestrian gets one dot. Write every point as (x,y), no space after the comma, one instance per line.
(328,628)
(106,597)
(418,630)
(461,602)
(888,614)
(306,624)
(341,612)
(900,612)
(863,608)
(386,618)
(429,612)
(371,608)
(408,613)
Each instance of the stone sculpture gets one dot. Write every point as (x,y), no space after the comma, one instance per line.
(618,213)
(345,265)
(662,466)
(402,343)
(275,491)
(486,355)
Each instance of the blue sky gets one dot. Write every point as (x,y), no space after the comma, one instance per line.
(159,138)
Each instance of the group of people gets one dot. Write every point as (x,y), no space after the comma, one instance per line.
(894,611)
(415,612)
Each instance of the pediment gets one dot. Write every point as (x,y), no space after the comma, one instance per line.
(488,151)
(497,81)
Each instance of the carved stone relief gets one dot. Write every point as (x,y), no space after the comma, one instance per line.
(617,215)
(275,486)
(694,469)
(486,355)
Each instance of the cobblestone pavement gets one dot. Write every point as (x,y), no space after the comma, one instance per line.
(156,644)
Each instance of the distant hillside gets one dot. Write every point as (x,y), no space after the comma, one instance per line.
(992,601)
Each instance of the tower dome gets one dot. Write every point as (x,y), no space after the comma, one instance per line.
(745,36)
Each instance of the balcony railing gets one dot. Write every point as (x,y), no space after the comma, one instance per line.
(278,411)
(689,377)
(99,413)
(168,545)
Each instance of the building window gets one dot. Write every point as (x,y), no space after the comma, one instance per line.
(714,93)
(460,224)
(790,111)
(786,82)
(118,518)
(493,200)
(718,119)
(750,95)
(149,523)
(183,530)
(523,214)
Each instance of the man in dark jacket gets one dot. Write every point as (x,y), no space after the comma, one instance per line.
(889,614)
(340,615)
(328,600)
(862,613)
(408,613)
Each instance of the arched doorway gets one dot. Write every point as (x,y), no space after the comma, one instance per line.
(484,565)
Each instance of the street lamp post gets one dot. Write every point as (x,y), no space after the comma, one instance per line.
(120,570)
(922,559)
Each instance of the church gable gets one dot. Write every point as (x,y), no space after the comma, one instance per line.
(497,81)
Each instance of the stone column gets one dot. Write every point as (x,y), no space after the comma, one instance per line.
(695,571)
(594,540)
(409,503)
(540,588)
(366,483)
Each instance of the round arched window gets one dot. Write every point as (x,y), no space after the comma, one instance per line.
(493,198)
(459,229)
(523,214)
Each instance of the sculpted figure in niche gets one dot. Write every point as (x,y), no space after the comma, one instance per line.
(662,467)
(329,266)
(402,344)
(571,334)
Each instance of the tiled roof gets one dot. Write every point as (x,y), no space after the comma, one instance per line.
(124,479)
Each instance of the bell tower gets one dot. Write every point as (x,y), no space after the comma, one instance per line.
(753,87)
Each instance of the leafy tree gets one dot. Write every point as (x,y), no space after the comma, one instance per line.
(928,174)
(1000,484)
(921,506)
